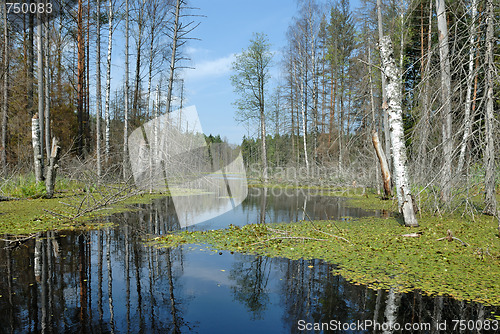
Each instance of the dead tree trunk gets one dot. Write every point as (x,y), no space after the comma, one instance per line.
(52,168)
(386,174)
(490,200)
(470,83)
(444,62)
(5,104)
(40,82)
(393,80)
(384,93)
(37,154)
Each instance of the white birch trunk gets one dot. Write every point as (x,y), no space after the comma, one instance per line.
(394,99)
(37,153)
(490,200)
(304,120)
(98,93)
(445,100)
(47,87)
(125,121)
(40,80)
(108,83)
(470,83)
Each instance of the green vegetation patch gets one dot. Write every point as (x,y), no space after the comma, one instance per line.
(375,252)
(35,215)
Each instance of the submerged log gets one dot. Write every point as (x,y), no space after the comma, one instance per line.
(386,174)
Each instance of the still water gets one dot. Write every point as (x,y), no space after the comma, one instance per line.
(110,281)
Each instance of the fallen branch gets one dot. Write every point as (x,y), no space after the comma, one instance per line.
(412,235)
(280,238)
(318,230)
(450,237)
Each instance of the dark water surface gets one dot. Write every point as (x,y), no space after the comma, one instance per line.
(110,281)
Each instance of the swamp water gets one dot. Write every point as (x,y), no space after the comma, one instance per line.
(111,281)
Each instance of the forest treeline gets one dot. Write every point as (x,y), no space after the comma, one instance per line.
(331,95)
(329,98)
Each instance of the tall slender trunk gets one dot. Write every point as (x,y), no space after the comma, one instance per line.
(5,104)
(424,134)
(393,80)
(31,59)
(173,57)
(490,200)
(384,92)
(373,125)
(98,91)
(80,79)
(41,118)
(47,87)
(445,100)
(108,83)
(470,84)
(140,27)
(125,120)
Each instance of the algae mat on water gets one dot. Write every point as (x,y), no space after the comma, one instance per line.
(376,253)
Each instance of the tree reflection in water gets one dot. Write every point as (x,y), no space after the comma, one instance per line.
(110,281)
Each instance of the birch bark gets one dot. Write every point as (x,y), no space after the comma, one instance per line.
(125,121)
(394,102)
(108,83)
(98,91)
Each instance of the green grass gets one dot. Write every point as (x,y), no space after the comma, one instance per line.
(34,213)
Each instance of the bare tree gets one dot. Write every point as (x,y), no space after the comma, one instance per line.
(5,89)
(470,81)
(178,33)
(490,200)
(384,93)
(444,63)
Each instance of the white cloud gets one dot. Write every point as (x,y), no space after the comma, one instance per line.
(210,68)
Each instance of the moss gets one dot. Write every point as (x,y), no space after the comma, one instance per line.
(378,255)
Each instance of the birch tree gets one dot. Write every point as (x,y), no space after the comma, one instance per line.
(251,69)
(40,70)
(98,91)
(108,82)
(125,121)
(394,109)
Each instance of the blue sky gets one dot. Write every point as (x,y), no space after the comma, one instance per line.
(225,31)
